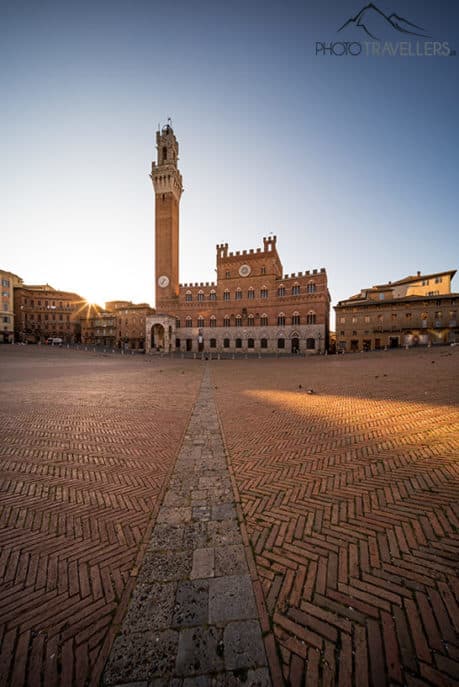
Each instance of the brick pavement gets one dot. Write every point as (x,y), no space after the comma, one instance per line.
(193,618)
(350,497)
(87,445)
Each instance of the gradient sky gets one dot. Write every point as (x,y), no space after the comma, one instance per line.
(351,162)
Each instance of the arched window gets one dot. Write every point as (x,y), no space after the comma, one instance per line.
(213,295)
(177,323)
(200,296)
(251,294)
(226,295)
(311,287)
(311,317)
(188,296)
(213,321)
(251,320)
(164,153)
(238,294)
(281,320)
(200,321)
(264,320)
(188,321)
(227,321)
(295,290)
(264,292)
(296,317)
(238,321)
(281,290)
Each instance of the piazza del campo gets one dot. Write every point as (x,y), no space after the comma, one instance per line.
(252,502)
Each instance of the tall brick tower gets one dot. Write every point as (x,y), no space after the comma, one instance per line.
(167,182)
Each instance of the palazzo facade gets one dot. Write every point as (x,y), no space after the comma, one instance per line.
(253,307)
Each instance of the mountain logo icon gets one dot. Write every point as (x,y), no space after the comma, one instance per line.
(374,22)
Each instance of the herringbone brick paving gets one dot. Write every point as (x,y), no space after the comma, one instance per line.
(351,498)
(87,444)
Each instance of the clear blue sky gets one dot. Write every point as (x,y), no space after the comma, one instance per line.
(352,162)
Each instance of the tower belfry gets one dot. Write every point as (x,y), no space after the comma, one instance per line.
(167,182)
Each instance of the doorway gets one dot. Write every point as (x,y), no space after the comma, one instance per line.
(157,337)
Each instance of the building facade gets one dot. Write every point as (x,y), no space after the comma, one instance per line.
(99,328)
(42,312)
(9,282)
(130,323)
(253,307)
(416,310)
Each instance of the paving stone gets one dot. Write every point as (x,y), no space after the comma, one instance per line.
(230,560)
(164,650)
(195,536)
(203,563)
(166,565)
(223,511)
(192,604)
(179,566)
(201,513)
(137,656)
(244,678)
(198,681)
(243,645)
(174,516)
(151,607)
(167,537)
(199,495)
(231,598)
(197,651)
(176,499)
(223,532)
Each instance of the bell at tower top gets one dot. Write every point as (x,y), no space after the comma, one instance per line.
(166,145)
(164,171)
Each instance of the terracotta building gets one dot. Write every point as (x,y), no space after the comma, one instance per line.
(130,323)
(9,282)
(99,327)
(42,312)
(416,310)
(252,307)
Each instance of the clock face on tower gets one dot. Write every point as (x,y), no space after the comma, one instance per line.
(163,281)
(244,270)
